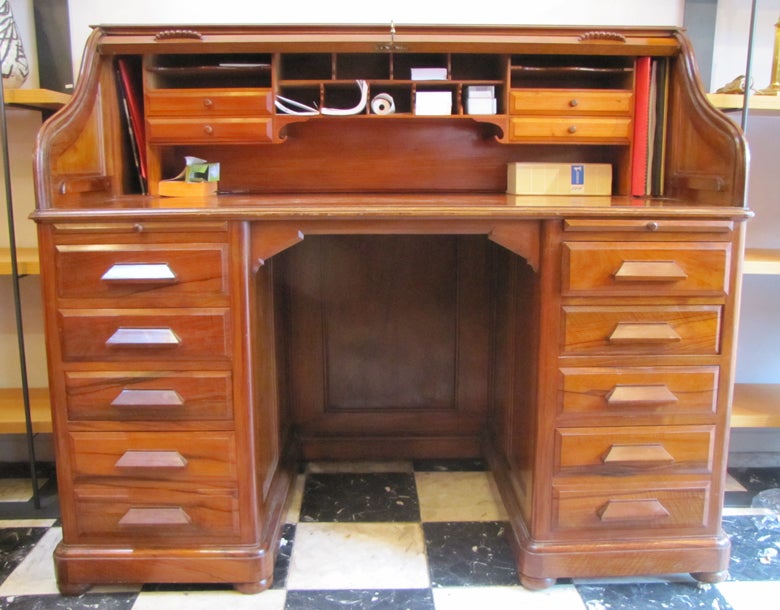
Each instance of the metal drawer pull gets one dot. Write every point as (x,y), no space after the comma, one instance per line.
(151,459)
(143,337)
(148,398)
(632,510)
(139,272)
(650,271)
(643,332)
(651,453)
(155,516)
(640,395)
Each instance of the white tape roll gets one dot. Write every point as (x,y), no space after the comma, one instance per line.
(383,104)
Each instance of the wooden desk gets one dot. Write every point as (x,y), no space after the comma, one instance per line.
(362,287)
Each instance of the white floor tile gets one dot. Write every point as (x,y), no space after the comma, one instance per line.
(561,597)
(35,575)
(18,490)
(4,523)
(358,556)
(751,595)
(458,496)
(295,500)
(273,599)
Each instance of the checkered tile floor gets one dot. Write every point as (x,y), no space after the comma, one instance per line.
(418,535)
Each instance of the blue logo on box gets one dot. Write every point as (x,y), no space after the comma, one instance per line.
(578,175)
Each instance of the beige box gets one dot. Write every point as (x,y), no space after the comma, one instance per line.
(559,179)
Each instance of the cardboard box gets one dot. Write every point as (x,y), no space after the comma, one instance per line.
(433,103)
(559,179)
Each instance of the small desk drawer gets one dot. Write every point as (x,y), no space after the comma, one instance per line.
(140,513)
(637,512)
(579,130)
(650,330)
(164,334)
(235,130)
(612,451)
(571,102)
(148,273)
(597,393)
(149,396)
(208,102)
(624,268)
(168,456)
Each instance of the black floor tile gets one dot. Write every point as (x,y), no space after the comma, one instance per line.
(15,543)
(757,479)
(642,596)
(463,554)
(349,497)
(282,565)
(453,465)
(755,547)
(384,599)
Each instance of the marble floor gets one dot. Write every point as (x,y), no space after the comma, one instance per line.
(420,535)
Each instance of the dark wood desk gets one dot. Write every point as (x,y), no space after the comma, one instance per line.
(363,287)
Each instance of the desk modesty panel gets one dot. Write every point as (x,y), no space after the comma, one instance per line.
(360,285)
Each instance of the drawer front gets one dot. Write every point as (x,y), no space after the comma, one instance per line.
(143,514)
(579,130)
(149,396)
(623,450)
(651,330)
(169,456)
(571,102)
(640,269)
(636,513)
(602,392)
(208,130)
(146,273)
(165,334)
(208,102)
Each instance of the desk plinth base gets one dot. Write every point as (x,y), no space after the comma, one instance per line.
(248,569)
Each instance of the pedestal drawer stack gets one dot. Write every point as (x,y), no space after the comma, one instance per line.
(145,341)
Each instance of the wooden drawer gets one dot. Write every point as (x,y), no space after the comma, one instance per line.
(144,273)
(571,101)
(143,513)
(169,456)
(208,102)
(649,330)
(598,393)
(149,396)
(632,510)
(577,130)
(611,451)
(639,269)
(235,130)
(164,334)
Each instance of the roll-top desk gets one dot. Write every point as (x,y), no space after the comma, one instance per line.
(362,286)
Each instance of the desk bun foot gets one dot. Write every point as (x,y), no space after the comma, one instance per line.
(251,588)
(72,589)
(536,584)
(711,577)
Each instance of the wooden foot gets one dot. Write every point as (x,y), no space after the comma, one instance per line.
(536,584)
(251,588)
(72,589)
(711,577)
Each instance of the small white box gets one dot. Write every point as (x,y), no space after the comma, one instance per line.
(433,103)
(474,91)
(480,105)
(429,73)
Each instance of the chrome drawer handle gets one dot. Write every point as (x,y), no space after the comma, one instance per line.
(155,516)
(139,272)
(143,337)
(650,271)
(151,459)
(640,395)
(148,398)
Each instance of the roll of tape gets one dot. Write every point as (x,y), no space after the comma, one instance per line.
(383,104)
